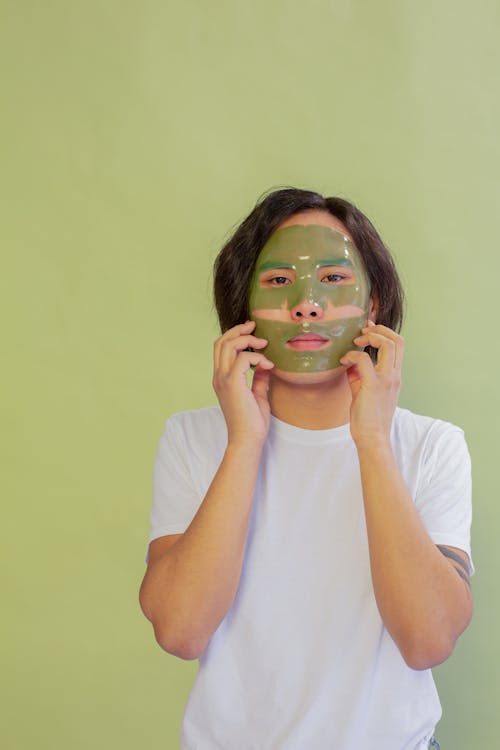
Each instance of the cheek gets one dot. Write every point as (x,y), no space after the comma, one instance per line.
(262,298)
(348,294)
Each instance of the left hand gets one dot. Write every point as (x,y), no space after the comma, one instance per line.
(374,388)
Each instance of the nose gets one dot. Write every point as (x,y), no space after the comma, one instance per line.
(307,311)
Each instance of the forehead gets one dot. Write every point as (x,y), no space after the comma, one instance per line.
(318,217)
(306,245)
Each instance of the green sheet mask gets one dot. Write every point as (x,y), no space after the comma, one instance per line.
(309,297)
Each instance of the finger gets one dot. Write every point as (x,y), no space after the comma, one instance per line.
(384,330)
(239,329)
(238,373)
(390,334)
(363,363)
(245,360)
(260,383)
(234,332)
(353,378)
(230,349)
(386,348)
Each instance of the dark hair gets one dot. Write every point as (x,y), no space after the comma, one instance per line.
(234,266)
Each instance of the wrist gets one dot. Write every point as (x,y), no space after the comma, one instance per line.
(250,445)
(373,445)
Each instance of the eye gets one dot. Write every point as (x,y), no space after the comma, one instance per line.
(335,274)
(332,278)
(274,279)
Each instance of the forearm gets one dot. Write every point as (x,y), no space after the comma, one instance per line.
(187,592)
(423,602)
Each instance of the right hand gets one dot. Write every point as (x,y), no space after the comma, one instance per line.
(246,410)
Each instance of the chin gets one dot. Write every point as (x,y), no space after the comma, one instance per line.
(309,378)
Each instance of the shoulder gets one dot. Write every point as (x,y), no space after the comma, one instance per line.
(208,421)
(417,429)
(199,431)
(432,446)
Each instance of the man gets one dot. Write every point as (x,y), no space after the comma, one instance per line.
(310,540)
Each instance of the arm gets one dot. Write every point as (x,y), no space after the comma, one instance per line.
(423,600)
(191,580)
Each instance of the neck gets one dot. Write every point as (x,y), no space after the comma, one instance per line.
(312,406)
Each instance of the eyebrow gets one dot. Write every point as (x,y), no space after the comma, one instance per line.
(334,262)
(273,264)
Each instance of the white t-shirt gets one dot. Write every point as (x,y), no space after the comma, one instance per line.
(302,660)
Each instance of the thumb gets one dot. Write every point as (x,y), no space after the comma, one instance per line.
(260,383)
(359,366)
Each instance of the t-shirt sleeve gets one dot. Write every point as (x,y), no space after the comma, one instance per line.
(443,497)
(175,499)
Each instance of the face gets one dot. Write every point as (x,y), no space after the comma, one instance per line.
(309,295)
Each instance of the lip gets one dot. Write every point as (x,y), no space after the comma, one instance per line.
(307,342)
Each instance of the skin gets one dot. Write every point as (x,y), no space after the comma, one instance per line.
(191,581)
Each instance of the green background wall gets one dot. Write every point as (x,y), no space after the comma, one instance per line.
(134,136)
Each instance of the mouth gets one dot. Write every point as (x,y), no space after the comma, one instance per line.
(308,342)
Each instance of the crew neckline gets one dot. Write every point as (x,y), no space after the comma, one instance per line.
(296,434)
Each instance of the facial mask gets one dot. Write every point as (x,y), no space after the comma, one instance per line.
(309,297)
